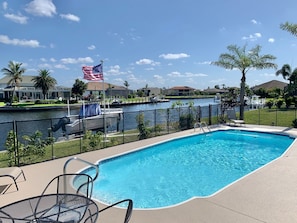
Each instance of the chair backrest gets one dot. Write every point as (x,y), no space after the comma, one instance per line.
(78,183)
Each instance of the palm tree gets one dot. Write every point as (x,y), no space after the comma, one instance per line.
(244,60)
(293,82)
(126,84)
(14,72)
(287,74)
(290,27)
(285,71)
(44,82)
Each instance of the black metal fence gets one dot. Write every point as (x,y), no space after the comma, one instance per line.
(27,142)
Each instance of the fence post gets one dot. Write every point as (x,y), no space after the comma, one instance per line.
(15,140)
(123,130)
(276,117)
(17,143)
(155,121)
(199,113)
(50,135)
(168,121)
(209,114)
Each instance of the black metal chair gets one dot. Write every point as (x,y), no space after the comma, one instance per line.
(67,198)
(128,211)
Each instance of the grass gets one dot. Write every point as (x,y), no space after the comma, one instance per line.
(271,117)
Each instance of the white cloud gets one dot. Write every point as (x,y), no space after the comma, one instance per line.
(44,66)
(70,17)
(258,35)
(19,42)
(147,62)
(41,8)
(16,18)
(114,70)
(175,74)
(205,62)
(4,5)
(174,56)
(92,47)
(252,37)
(77,60)
(187,74)
(61,66)
(271,40)
(255,22)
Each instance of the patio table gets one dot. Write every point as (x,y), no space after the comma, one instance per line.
(70,208)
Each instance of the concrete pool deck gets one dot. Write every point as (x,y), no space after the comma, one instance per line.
(267,195)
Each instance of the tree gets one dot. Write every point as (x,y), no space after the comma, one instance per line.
(78,89)
(285,71)
(244,60)
(287,74)
(290,27)
(14,72)
(44,82)
(126,84)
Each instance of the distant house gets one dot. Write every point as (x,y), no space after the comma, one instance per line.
(98,88)
(270,85)
(180,91)
(27,91)
(150,92)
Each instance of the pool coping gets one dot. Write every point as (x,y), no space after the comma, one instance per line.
(266,195)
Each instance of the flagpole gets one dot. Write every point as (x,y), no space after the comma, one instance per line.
(104,105)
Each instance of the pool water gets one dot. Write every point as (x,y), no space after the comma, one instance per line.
(174,171)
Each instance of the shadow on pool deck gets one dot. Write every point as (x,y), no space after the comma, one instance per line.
(267,195)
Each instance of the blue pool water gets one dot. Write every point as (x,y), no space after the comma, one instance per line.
(196,166)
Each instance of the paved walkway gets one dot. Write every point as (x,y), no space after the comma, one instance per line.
(267,195)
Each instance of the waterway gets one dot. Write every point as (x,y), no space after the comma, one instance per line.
(25,115)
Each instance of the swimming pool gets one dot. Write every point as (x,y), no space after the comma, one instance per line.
(174,171)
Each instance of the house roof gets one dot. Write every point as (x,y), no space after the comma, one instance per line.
(271,85)
(181,88)
(26,80)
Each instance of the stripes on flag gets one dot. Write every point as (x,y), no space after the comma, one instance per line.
(93,73)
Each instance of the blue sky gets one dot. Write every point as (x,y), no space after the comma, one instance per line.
(158,43)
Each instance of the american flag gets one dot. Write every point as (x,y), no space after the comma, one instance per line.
(93,73)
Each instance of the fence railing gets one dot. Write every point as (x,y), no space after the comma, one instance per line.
(27,142)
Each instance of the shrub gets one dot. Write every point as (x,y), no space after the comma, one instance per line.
(144,131)
(92,141)
(279,103)
(269,103)
(288,101)
(186,121)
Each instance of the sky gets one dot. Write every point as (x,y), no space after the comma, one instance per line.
(156,43)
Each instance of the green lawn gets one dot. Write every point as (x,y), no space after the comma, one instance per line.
(272,117)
